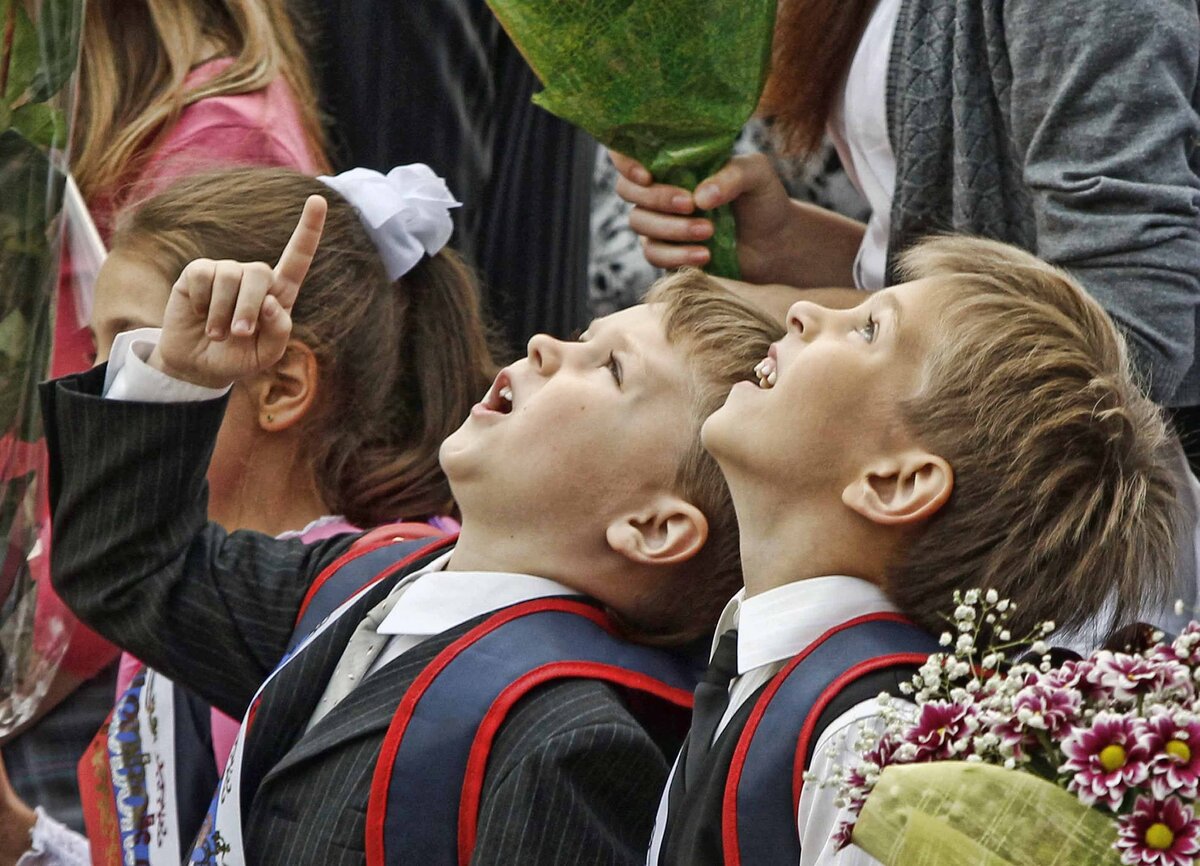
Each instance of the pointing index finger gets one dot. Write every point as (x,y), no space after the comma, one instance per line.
(298,254)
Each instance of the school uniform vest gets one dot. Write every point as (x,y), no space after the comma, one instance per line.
(148,775)
(398,765)
(741,806)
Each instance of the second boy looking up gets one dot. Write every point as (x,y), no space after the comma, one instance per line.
(975,427)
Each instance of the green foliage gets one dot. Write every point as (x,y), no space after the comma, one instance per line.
(36,61)
(668,82)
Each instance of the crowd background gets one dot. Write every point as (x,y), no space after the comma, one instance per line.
(172,88)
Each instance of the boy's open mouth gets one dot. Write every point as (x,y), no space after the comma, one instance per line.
(766,371)
(500,396)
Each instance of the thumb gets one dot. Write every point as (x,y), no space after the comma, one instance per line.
(742,176)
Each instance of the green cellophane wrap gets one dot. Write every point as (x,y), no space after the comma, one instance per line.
(954,813)
(668,82)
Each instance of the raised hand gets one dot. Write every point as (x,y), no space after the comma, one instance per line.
(228,320)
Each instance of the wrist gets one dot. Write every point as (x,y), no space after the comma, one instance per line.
(16,829)
(809,247)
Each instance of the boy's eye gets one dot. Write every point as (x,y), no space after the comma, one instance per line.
(614,367)
(869,330)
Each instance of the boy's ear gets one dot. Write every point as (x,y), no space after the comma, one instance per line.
(285,393)
(902,489)
(671,531)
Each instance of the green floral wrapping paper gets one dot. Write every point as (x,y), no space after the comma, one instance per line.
(668,82)
(952,813)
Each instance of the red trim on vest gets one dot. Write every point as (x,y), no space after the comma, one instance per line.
(355,552)
(402,531)
(468,813)
(827,696)
(729,832)
(377,804)
(99,803)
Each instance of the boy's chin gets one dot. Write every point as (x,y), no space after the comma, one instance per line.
(457,454)
(719,432)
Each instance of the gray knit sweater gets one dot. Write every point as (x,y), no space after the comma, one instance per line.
(1070,128)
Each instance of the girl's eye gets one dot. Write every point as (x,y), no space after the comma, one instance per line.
(869,330)
(614,367)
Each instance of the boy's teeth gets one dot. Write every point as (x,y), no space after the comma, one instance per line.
(766,373)
(506,393)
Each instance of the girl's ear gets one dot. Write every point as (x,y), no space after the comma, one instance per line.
(286,392)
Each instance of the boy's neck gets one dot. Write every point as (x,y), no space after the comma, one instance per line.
(481,547)
(784,543)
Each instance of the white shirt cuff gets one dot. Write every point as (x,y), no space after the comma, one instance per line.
(129,377)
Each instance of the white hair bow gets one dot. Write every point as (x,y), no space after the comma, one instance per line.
(406,212)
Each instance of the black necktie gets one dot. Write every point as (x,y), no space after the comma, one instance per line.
(712,699)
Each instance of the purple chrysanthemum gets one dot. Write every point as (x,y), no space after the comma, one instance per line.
(1106,759)
(1126,677)
(1158,833)
(1040,707)
(1174,743)
(942,731)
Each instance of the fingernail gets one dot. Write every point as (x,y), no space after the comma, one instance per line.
(242,326)
(699,230)
(216,333)
(698,257)
(682,202)
(642,175)
(707,192)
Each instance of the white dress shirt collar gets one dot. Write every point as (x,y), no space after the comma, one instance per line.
(780,623)
(437,600)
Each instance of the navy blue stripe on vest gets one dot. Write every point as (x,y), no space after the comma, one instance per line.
(431,761)
(196,771)
(765,815)
(349,579)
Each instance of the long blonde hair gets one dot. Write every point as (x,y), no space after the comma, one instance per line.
(136,55)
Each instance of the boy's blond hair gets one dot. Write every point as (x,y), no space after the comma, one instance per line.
(1063,497)
(722,338)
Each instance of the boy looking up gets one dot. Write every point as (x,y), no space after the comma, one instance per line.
(582,487)
(977,426)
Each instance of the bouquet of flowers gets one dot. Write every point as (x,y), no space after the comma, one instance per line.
(668,82)
(39,47)
(1092,761)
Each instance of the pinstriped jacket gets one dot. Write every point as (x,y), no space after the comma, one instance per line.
(572,777)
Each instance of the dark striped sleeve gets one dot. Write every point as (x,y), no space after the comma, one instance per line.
(133,555)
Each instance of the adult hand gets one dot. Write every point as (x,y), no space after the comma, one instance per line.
(779,240)
(672,235)
(228,320)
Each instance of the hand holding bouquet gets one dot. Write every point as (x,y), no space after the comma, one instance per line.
(667,82)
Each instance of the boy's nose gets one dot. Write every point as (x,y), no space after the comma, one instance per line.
(804,318)
(545,353)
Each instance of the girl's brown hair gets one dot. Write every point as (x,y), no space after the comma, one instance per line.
(136,55)
(815,41)
(400,363)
